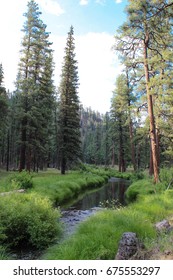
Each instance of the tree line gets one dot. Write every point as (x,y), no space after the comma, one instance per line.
(41,126)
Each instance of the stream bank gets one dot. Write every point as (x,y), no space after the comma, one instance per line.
(83,208)
(110,195)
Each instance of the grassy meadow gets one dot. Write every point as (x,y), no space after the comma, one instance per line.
(31,218)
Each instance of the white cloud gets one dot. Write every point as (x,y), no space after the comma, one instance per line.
(98,67)
(51,6)
(11,38)
(97,64)
(11,22)
(83,2)
(118,1)
(101,2)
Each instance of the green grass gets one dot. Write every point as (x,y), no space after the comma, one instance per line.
(46,185)
(98,237)
(58,188)
(3,253)
(143,187)
(62,188)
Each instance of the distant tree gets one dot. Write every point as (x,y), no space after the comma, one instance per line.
(3,117)
(69,115)
(3,98)
(119,117)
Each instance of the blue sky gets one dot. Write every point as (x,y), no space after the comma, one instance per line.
(95,23)
(89,15)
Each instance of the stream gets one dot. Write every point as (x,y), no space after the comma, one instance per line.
(86,205)
(110,195)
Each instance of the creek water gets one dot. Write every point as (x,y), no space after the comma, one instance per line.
(111,194)
(84,207)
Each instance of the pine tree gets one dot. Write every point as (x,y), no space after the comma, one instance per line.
(119,116)
(35,91)
(142,39)
(3,98)
(69,115)
(3,118)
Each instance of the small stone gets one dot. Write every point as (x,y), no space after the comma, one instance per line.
(163,226)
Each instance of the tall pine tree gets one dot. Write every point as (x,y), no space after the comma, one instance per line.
(35,91)
(69,115)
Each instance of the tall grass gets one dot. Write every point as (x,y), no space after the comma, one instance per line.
(98,237)
(143,187)
(60,189)
(3,253)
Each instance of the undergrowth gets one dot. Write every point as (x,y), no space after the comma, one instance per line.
(28,220)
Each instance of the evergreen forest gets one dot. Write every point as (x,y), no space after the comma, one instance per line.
(42,126)
(54,147)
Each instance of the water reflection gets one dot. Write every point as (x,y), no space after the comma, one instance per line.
(114,190)
(90,202)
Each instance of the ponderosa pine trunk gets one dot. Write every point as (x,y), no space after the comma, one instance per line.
(130,126)
(150,112)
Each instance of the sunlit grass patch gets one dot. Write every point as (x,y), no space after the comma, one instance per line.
(143,187)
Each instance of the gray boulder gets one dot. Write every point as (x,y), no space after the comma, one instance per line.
(128,246)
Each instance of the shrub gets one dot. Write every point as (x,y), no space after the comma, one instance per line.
(137,176)
(22,180)
(28,220)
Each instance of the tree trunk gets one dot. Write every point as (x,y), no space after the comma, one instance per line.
(63,165)
(23,147)
(151,170)
(8,150)
(139,156)
(130,125)
(122,167)
(113,155)
(158,144)
(132,144)
(151,112)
